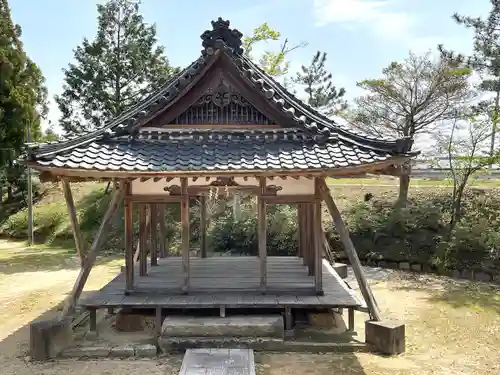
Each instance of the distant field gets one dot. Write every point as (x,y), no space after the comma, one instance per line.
(414,182)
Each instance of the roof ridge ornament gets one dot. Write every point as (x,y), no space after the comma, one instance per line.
(222,33)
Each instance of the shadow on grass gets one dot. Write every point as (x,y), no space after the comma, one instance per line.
(19,260)
(456,293)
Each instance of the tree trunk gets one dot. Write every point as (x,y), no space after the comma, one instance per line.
(10,193)
(404,185)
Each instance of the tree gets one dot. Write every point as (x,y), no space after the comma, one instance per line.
(410,98)
(118,68)
(466,146)
(321,93)
(22,98)
(272,62)
(485,59)
(49,135)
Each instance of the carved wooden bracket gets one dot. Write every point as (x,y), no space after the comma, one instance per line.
(273,189)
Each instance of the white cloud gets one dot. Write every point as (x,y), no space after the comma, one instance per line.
(374,15)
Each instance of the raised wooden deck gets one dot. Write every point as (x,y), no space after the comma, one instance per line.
(231,282)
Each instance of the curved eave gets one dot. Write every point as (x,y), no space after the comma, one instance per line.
(308,117)
(138,114)
(387,167)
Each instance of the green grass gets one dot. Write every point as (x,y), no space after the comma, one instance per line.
(414,182)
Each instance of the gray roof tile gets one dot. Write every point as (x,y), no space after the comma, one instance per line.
(198,153)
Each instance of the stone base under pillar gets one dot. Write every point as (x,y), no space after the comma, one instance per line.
(386,336)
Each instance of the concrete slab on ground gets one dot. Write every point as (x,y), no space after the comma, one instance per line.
(218,361)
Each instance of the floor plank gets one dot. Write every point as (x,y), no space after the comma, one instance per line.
(233,282)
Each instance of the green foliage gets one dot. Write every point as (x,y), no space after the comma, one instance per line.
(272,62)
(419,232)
(321,93)
(117,69)
(22,97)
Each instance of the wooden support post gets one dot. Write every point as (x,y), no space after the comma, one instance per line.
(185,246)
(319,239)
(288,318)
(262,234)
(351,252)
(158,320)
(142,234)
(153,212)
(143,249)
(311,243)
(129,242)
(93,319)
(203,226)
(300,228)
(350,316)
(70,204)
(99,238)
(163,231)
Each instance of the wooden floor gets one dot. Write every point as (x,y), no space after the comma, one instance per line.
(232,282)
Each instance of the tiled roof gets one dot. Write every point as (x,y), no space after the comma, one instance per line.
(198,151)
(317,141)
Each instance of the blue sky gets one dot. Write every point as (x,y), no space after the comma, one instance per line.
(360,36)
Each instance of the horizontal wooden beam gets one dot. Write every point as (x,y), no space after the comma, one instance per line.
(143,198)
(288,199)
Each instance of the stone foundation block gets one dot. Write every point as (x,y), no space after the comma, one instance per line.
(87,352)
(482,276)
(416,267)
(146,350)
(49,337)
(386,336)
(128,322)
(327,320)
(233,326)
(341,269)
(122,352)
(404,266)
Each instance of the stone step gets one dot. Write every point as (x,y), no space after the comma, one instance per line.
(230,326)
(170,345)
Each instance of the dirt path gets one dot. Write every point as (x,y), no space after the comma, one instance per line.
(452,328)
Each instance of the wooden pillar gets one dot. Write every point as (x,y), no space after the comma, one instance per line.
(153,212)
(162,231)
(300,228)
(203,226)
(319,239)
(116,200)
(185,233)
(70,204)
(129,241)
(143,249)
(262,234)
(350,252)
(311,243)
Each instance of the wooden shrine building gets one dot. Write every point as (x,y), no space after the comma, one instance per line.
(221,122)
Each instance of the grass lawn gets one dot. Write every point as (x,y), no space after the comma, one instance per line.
(453,327)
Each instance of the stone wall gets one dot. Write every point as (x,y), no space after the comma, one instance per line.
(477,275)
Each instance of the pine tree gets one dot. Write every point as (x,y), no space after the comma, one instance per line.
(321,93)
(119,67)
(22,97)
(485,60)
